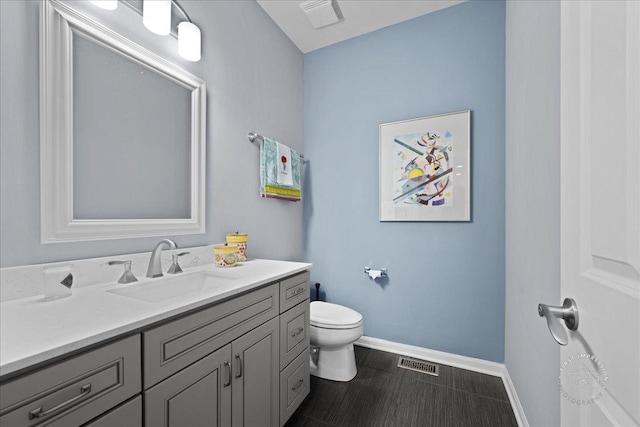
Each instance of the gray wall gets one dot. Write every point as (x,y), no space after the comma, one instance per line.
(533,203)
(254,79)
(446,280)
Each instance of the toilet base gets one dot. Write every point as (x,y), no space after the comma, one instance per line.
(334,363)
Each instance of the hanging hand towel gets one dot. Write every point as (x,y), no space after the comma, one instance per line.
(283,157)
(273,183)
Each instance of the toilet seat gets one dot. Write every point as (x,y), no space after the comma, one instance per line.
(333,316)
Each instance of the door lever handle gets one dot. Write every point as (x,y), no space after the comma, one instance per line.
(568,312)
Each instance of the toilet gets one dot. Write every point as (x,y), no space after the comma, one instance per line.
(333,330)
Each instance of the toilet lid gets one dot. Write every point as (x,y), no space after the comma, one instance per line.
(334,316)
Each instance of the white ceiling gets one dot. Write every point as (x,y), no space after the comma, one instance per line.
(360,17)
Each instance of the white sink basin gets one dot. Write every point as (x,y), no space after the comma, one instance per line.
(156,290)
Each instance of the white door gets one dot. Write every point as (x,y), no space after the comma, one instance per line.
(600,211)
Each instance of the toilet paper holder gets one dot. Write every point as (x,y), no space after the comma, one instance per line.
(374,274)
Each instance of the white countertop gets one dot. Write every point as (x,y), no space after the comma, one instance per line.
(33,331)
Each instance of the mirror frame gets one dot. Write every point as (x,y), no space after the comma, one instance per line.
(59,23)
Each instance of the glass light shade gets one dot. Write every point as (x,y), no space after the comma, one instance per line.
(189,41)
(156,16)
(106,4)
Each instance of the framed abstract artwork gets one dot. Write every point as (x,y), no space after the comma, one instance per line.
(425,169)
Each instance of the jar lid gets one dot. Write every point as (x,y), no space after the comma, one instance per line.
(225,248)
(237,237)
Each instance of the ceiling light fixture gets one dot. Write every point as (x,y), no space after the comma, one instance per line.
(106,4)
(189,37)
(189,41)
(156,16)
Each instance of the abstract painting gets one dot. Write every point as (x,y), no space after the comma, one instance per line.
(424,169)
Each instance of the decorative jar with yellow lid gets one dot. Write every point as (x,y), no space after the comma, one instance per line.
(240,240)
(226,255)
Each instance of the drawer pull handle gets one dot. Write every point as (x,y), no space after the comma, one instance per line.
(228,382)
(37,413)
(297,291)
(298,384)
(298,332)
(239,370)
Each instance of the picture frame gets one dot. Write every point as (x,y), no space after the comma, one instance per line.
(425,168)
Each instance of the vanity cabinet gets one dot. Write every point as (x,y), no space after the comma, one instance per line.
(240,362)
(228,364)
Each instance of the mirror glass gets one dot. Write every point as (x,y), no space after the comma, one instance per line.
(123,135)
(131,150)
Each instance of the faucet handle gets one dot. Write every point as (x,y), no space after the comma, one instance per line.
(127,276)
(175,267)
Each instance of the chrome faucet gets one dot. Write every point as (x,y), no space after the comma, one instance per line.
(155,266)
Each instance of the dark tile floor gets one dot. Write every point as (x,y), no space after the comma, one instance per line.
(384,395)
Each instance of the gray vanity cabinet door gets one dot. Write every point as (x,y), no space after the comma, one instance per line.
(256,377)
(199,395)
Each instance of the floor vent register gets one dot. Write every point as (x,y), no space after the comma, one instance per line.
(418,365)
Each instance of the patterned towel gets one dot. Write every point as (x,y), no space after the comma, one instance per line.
(273,163)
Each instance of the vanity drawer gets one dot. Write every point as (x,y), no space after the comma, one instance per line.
(294,385)
(179,343)
(294,332)
(75,390)
(127,415)
(293,291)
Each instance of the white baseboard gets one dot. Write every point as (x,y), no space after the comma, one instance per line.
(455,360)
(513,398)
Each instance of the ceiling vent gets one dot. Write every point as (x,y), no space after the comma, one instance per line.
(322,12)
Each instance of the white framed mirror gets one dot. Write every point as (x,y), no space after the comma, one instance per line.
(122,143)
